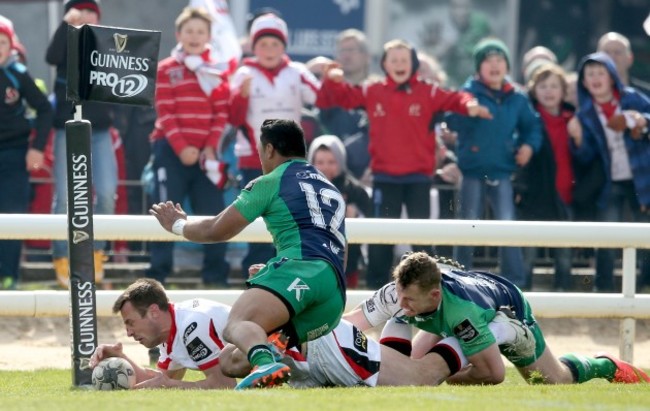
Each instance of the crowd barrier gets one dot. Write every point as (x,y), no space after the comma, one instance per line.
(626,306)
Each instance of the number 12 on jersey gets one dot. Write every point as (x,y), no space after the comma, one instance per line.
(317,201)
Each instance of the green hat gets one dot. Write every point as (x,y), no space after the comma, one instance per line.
(487,47)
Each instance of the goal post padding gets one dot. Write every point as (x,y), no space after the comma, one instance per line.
(106,65)
(83,320)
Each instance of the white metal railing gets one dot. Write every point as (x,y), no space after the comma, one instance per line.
(626,305)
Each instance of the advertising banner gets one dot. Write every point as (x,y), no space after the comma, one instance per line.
(112,64)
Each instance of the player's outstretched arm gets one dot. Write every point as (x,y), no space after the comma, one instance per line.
(222,227)
(214,379)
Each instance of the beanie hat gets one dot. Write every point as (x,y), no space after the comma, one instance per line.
(488,47)
(7,28)
(333,144)
(81,5)
(250,17)
(269,25)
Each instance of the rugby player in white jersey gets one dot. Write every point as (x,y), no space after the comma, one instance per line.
(189,335)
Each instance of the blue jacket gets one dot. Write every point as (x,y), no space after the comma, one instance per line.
(487,148)
(594,141)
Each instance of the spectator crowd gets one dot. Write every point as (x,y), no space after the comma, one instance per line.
(551,146)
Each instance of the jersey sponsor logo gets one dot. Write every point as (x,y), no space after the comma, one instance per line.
(298,286)
(388,294)
(198,350)
(188,331)
(305,175)
(250,185)
(317,332)
(370,305)
(466,331)
(360,340)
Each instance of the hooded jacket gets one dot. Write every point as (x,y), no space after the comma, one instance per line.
(352,190)
(487,148)
(399,116)
(594,141)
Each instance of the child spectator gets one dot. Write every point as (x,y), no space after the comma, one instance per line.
(17,157)
(268,85)
(612,127)
(104,164)
(544,186)
(327,153)
(402,148)
(192,105)
(490,151)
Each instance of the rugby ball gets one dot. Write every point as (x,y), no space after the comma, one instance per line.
(113,373)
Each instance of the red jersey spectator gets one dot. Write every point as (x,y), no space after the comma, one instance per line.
(402,147)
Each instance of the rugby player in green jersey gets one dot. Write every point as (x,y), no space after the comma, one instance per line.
(444,301)
(301,291)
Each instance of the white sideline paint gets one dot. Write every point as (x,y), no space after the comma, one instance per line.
(628,236)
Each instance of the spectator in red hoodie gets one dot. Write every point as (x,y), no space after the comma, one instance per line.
(402,148)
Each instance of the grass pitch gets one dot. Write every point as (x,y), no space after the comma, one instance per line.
(51,390)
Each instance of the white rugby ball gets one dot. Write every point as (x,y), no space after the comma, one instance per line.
(113,373)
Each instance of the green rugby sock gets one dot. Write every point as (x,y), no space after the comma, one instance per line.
(586,368)
(260,355)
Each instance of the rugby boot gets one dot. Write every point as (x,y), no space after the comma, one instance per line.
(524,343)
(277,342)
(626,373)
(266,376)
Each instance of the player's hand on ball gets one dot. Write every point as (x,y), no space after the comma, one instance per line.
(167,213)
(105,351)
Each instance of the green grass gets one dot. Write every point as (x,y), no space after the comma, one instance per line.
(51,390)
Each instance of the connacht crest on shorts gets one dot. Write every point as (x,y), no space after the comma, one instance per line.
(120,41)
